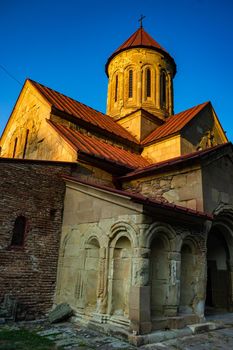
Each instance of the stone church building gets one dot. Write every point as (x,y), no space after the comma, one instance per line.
(127,216)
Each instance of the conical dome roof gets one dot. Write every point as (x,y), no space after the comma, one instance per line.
(140,39)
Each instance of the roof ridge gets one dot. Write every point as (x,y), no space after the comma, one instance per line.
(173,124)
(176,160)
(84,113)
(71,98)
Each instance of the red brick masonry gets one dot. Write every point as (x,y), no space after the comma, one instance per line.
(35,190)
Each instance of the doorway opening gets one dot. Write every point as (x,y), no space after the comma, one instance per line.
(218,286)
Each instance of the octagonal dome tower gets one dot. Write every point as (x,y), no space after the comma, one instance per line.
(140,87)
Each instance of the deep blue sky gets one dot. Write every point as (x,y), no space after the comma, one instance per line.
(65,45)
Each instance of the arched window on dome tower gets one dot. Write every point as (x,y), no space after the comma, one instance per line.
(116,88)
(148,82)
(163,89)
(130,95)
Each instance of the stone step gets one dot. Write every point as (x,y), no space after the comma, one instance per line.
(203,327)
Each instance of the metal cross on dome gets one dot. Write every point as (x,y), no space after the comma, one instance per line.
(140,20)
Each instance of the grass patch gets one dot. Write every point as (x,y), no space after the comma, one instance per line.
(24,340)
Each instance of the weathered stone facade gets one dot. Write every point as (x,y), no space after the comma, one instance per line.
(119,265)
(132,212)
(181,187)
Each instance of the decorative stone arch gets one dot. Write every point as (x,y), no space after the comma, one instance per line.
(91,273)
(64,287)
(191,275)
(69,236)
(219,258)
(91,233)
(161,238)
(158,228)
(120,229)
(192,242)
(123,240)
(223,220)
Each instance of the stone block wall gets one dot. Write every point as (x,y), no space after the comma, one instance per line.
(163,150)
(119,266)
(217,183)
(179,187)
(34,190)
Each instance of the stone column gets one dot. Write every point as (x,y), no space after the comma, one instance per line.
(121,90)
(139,87)
(157,87)
(174,285)
(200,286)
(170,94)
(80,283)
(230,269)
(102,289)
(139,298)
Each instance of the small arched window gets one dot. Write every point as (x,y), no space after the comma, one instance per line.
(163,89)
(19,231)
(116,88)
(130,83)
(15,147)
(148,82)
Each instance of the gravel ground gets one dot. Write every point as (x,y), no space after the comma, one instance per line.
(74,337)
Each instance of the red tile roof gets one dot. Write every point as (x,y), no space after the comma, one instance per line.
(174,123)
(83,112)
(137,197)
(139,39)
(100,149)
(161,166)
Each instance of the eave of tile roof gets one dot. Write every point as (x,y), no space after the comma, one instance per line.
(174,124)
(99,149)
(140,38)
(138,198)
(167,164)
(83,112)
(38,161)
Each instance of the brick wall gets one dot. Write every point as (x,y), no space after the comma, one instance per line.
(36,191)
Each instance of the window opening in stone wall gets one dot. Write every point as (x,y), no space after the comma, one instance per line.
(148,83)
(25,143)
(116,88)
(19,231)
(15,147)
(130,83)
(163,89)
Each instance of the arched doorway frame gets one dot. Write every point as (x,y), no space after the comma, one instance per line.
(167,234)
(91,273)
(189,289)
(223,225)
(120,230)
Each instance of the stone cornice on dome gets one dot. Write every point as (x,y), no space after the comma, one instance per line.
(140,39)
